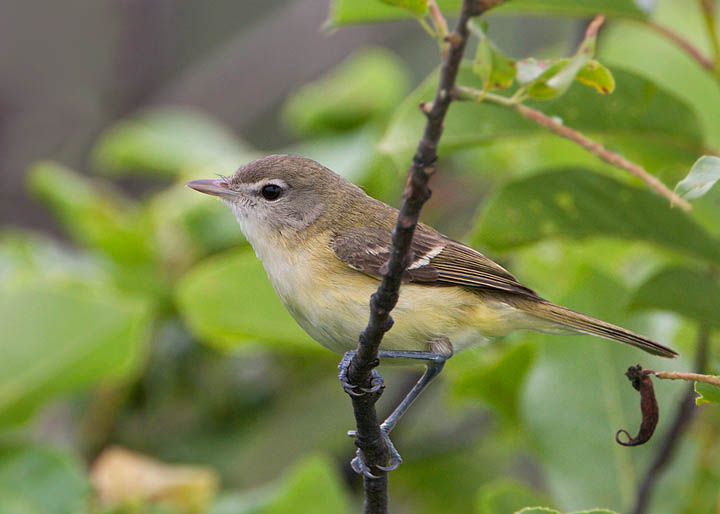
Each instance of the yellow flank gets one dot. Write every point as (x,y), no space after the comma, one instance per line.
(330,301)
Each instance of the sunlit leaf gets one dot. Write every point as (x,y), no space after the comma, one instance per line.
(60,337)
(366,86)
(170,142)
(227,300)
(702,177)
(415,7)
(496,70)
(557,79)
(38,479)
(349,12)
(687,291)
(708,393)
(591,74)
(579,203)
(597,76)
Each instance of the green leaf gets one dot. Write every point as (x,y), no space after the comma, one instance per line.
(170,142)
(530,69)
(189,225)
(227,300)
(687,291)
(579,203)
(638,120)
(350,12)
(498,383)
(415,7)
(591,74)
(641,48)
(545,510)
(37,479)
(496,70)
(702,177)
(597,76)
(708,393)
(364,87)
(504,495)
(576,8)
(557,79)
(95,214)
(24,255)
(60,337)
(313,485)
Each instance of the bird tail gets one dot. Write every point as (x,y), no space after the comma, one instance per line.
(569,319)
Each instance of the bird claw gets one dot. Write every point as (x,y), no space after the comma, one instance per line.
(376,382)
(359,465)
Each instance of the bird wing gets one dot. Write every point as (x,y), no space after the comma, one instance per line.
(434,260)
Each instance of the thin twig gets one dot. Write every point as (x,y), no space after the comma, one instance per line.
(682,43)
(369,438)
(595,148)
(692,377)
(685,414)
(708,8)
(603,153)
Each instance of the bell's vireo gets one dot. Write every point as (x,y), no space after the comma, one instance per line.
(324,242)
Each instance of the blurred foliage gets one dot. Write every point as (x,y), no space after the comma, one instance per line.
(36,478)
(156,328)
(707,393)
(365,87)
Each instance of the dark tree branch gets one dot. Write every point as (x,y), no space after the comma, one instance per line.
(369,437)
(683,417)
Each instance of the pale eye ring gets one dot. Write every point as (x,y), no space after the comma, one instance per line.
(271,191)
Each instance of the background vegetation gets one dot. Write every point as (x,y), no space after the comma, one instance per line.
(149,327)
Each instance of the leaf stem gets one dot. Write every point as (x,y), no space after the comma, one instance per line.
(595,148)
(708,8)
(682,43)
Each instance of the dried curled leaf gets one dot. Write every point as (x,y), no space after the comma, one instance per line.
(121,476)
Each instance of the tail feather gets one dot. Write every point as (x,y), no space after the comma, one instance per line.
(588,325)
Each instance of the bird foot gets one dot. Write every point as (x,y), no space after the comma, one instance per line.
(376,382)
(359,465)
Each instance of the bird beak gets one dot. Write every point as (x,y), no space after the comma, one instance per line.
(215,187)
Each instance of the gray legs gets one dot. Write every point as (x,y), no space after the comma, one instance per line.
(434,362)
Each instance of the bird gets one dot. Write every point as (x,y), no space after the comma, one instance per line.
(324,243)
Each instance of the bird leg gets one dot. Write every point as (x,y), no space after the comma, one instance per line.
(434,362)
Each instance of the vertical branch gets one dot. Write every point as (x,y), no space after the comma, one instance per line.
(683,417)
(416,193)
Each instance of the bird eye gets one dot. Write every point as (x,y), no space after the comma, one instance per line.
(271,191)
